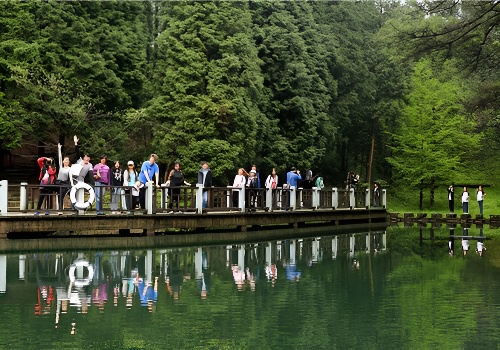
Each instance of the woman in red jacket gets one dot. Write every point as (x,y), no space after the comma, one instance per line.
(47,177)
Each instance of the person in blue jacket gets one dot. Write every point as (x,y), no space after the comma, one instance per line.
(293,177)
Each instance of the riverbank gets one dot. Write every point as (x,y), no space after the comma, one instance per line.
(406,200)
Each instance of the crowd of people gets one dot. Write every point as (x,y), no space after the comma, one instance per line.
(132,183)
(480,194)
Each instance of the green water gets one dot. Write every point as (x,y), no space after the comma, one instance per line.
(370,290)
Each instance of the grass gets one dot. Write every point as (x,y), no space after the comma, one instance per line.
(406,200)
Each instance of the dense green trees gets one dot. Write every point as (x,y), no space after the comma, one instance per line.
(321,85)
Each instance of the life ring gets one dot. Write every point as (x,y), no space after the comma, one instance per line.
(80,282)
(74,201)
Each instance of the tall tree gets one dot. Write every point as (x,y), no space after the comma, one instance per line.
(434,137)
(207,75)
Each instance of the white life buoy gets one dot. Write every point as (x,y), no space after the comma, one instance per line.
(74,201)
(80,282)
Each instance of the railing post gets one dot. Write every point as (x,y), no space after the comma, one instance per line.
(315,197)
(4,197)
(241,199)
(164,196)
(335,198)
(384,198)
(3,272)
(301,199)
(367,198)
(23,200)
(352,199)
(80,198)
(293,198)
(269,199)
(199,198)
(149,198)
(229,202)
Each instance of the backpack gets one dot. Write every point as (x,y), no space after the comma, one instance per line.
(319,182)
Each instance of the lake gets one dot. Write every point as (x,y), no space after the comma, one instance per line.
(389,289)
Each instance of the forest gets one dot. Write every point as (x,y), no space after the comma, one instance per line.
(404,93)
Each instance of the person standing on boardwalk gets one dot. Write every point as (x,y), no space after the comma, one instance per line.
(451,198)
(46,178)
(131,179)
(174,181)
(149,170)
(376,195)
(102,177)
(465,200)
(64,175)
(293,177)
(272,180)
(116,180)
(239,181)
(257,175)
(480,197)
(205,179)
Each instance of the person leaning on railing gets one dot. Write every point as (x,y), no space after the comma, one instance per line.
(149,170)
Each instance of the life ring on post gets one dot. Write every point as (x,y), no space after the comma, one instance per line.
(80,282)
(81,205)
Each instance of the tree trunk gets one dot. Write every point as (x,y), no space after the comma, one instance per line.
(421,195)
(432,194)
(370,164)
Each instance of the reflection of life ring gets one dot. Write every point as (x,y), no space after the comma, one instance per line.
(80,282)
(74,201)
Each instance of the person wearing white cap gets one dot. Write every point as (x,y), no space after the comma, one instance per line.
(252,183)
(131,179)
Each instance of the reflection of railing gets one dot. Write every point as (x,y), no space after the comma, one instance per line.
(24,198)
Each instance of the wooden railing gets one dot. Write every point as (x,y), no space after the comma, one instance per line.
(24,198)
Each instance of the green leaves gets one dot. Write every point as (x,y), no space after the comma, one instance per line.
(434,137)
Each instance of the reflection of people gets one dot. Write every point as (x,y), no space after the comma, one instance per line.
(465,242)
(292,273)
(271,273)
(465,200)
(174,281)
(355,264)
(451,199)
(148,293)
(451,242)
(480,197)
(238,276)
(480,247)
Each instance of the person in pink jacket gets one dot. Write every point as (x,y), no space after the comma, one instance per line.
(47,178)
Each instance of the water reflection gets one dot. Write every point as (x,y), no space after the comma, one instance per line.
(145,298)
(465,239)
(78,281)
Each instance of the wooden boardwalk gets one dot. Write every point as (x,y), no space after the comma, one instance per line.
(452,219)
(26,225)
